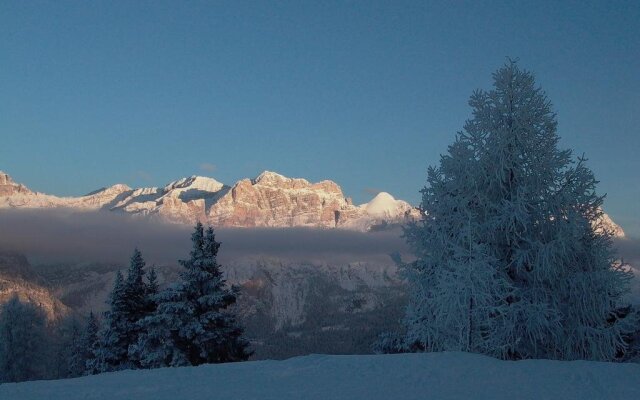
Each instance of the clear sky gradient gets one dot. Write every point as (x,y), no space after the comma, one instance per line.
(365,93)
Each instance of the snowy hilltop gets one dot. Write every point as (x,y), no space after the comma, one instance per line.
(400,376)
(268,200)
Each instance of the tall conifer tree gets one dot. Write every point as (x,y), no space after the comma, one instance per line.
(91,345)
(512,259)
(23,342)
(112,352)
(192,324)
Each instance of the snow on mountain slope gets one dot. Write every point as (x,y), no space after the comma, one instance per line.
(400,376)
(18,279)
(382,205)
(182,201)
(193,188)
(384,209)
(612,226)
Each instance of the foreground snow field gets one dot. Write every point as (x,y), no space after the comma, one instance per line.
(402,376)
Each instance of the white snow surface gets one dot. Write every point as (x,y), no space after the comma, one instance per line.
(401,376)
(195,182)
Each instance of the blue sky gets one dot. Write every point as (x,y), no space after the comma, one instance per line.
(365,93)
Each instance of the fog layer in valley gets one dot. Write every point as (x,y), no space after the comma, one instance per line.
(64,236)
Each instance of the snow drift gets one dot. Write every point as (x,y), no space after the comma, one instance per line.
(402,376)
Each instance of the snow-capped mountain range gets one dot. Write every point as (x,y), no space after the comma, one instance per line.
(269,200)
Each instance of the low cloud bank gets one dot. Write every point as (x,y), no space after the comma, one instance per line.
(49,236)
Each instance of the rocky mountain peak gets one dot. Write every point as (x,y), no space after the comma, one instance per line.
(5,179)
(382,204)
(8,187)
(281,182)
(202,183)
(269,178)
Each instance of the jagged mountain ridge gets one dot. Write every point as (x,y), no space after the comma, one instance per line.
(269,200)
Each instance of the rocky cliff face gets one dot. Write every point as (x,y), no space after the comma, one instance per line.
(269,200)
(273,200)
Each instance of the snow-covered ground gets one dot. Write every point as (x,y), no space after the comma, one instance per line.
(403,376)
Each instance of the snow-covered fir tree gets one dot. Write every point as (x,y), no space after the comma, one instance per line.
(23,342)
(192,324)
(632,354)
(77,357)
(135,289)
(151,290)
(130,302)
(68,350)
(114,343)
(511,258)
(145,309)
(90,343)
(137,300)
